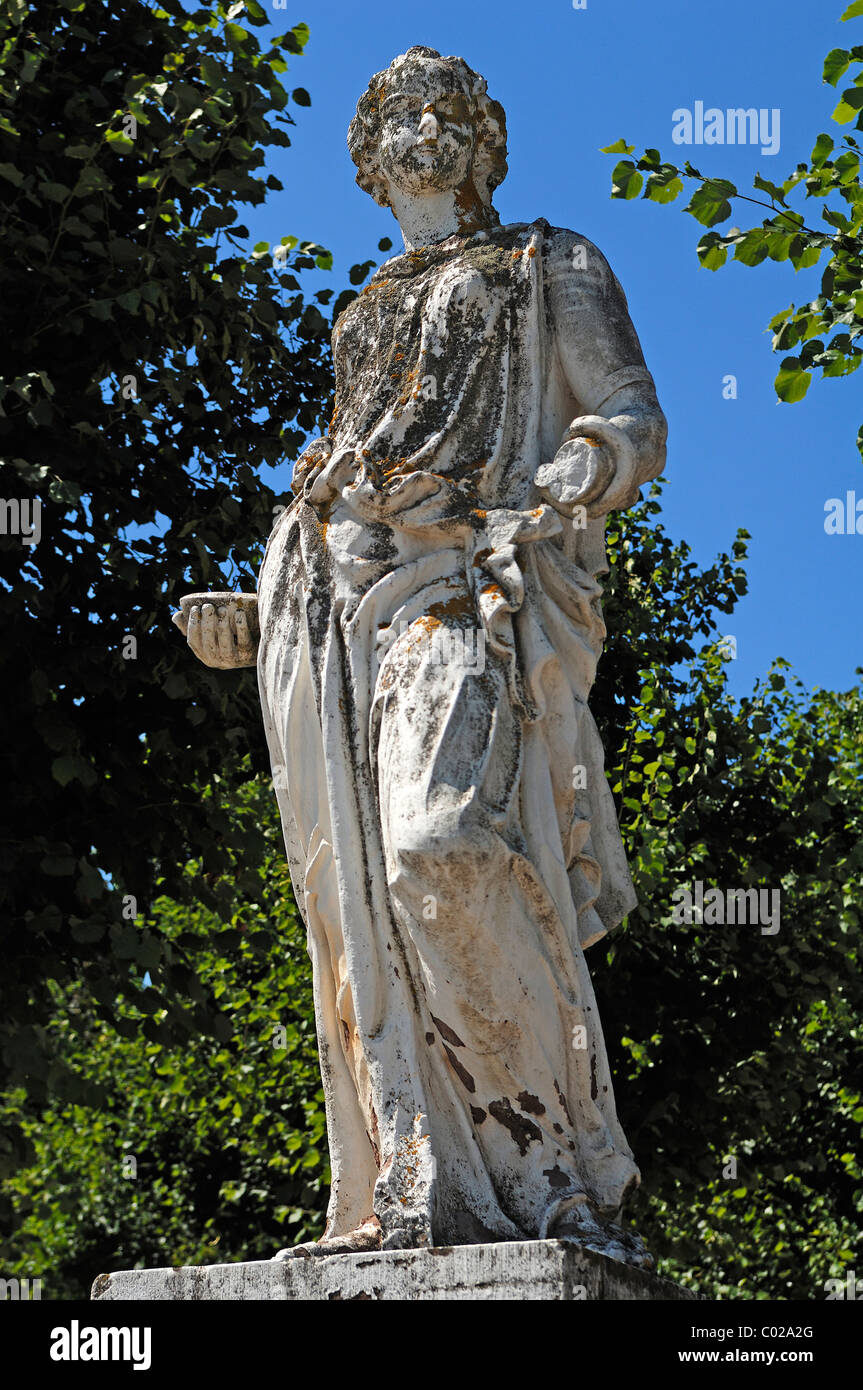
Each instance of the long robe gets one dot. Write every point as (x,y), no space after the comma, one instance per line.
(429,637)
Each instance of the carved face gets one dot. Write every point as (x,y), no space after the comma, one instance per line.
(427,131)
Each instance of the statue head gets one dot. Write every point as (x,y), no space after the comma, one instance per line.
(426,125)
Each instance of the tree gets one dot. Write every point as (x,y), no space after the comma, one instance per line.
(156,365)
(736,1051)
(208,1151)
(784,235)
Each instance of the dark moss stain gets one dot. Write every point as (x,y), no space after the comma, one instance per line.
(531,1104)
(594,1089)
(562,1098)
(461,1072)
(522,1130)
(556,1177)
(558,1129)
(477,1114)
(374,1137)
(492,262)
(430,1039)
(446,1032)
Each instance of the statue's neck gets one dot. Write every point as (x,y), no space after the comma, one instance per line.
(435,216)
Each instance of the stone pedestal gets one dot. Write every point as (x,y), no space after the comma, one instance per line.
(558,1270)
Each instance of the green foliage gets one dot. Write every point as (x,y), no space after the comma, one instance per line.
(203,1152)
(155,368)
(784,236)
(726,1042)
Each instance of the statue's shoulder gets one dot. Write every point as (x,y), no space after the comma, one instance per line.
(560,247)
(565,251)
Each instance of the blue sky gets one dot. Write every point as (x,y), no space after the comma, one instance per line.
(572,81)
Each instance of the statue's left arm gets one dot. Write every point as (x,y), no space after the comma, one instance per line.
(615,440)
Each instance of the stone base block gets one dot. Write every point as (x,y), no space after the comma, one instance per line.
(559,1270)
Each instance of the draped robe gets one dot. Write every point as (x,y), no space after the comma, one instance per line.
(429,637)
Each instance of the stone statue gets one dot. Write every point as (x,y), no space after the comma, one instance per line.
(429,627)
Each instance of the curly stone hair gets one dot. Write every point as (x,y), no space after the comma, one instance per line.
(489,165)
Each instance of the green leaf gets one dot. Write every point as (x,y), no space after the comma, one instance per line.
(86,932)
(766,186)
(663,187)
(753,249)
(626,181)
(853,11)
(820,153)
(803,254)
(779,243)
(792,383)
(850,104)
(711,252)
(619,147)
(300,36)
(709,203)
(301,96)
(73,768)
(836,62)
(56,192)
(213,73)
(58,865)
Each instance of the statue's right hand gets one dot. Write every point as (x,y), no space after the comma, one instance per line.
(322,471)
(311,462)
(222,635)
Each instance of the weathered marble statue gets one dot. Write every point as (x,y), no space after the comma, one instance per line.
(430,625)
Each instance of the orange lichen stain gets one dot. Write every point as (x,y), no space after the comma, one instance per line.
(477,511)
(493,591)
(458,606)
(589,439)
(469,206)
(531,250)
(515,255)
(397,357)
(322,515)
